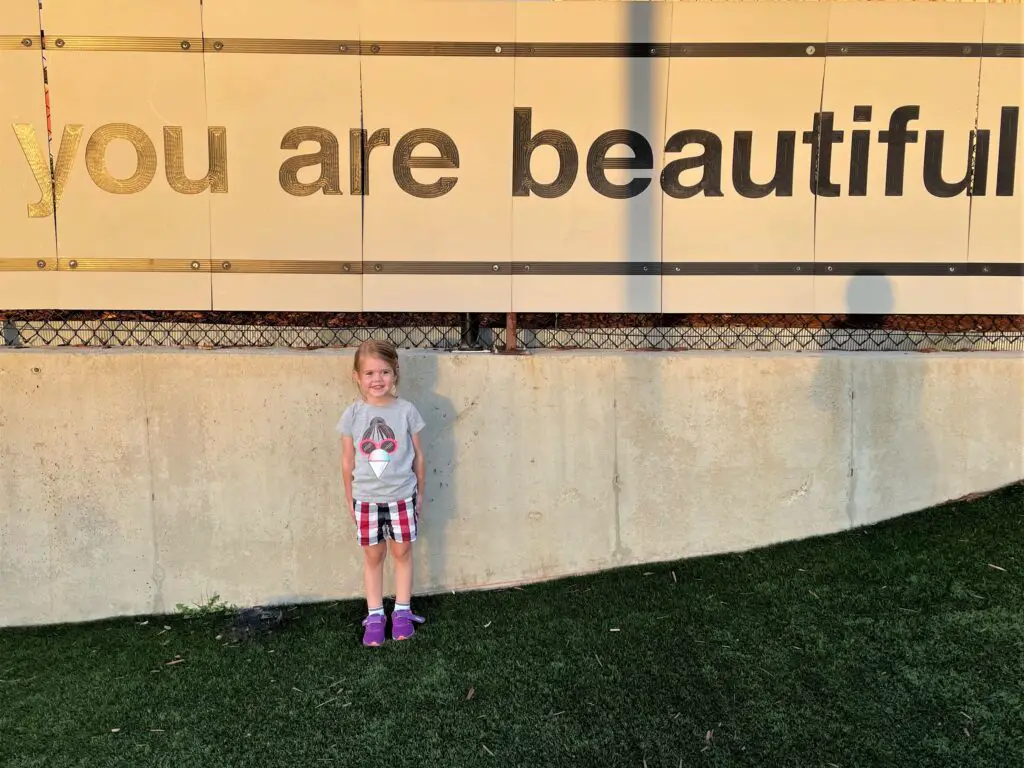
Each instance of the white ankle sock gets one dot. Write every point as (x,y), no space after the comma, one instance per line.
(377,611)
(401,606)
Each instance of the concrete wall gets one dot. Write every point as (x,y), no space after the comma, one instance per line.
(133,480)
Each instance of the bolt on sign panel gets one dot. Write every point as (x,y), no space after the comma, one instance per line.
(589,133)
(283,81)
(28,251)
(997,216)
(898,111)
(744,86)
(438,86)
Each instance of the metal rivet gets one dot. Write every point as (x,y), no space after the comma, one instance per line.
(952,269)
(225,265)
(685,50)
(27,42)
(830,269)
(196,265)
(342,48)
(377,267)
(999,50)
(844,49)
(41,264)
(653,51)
(967,49)
(985,269)
(218,46)
(374,48)
(73,264)
(497,49)
(526,268)
(645,269)
(185,45)
(810,50)
(679,269)
(531,49)
(347,268)
(60,42)
(496,268)
(799,269)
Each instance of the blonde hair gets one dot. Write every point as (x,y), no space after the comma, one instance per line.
(381,350)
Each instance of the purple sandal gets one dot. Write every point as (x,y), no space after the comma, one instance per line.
(374,633)
(401,624)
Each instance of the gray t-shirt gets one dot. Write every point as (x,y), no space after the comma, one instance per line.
(382,435)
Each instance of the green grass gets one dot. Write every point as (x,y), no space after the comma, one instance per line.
(898,645)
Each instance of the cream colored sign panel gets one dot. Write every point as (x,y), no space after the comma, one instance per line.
(997,216)
(588,137)
(439,155)
(285,86)
(27,247)
(130,137)
(997,208)
(893,151)
(736,185)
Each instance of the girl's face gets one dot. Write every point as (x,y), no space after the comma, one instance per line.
(376,378)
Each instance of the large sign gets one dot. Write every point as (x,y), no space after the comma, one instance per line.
(502,156)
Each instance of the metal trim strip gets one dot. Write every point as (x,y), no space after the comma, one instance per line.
(522,268)
(27,265)
(20,42)
(482,49)
(129,44)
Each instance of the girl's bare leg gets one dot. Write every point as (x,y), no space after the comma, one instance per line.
(373,574)
(402,553)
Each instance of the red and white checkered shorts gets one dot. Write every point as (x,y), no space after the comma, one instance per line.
(377,521)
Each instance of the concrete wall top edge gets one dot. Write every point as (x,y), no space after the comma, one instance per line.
(347,352)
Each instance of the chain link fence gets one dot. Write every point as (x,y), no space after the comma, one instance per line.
(501,332)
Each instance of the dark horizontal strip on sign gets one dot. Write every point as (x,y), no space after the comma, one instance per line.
(912,269)
(949,50)
(437,48)
(241,266)
(288,267)
(126,44)
(1007,50)
(436,268)
(541,268)
(282,46)
(133,265)
(723,268)
(658,50)
(19,42)
(614,268)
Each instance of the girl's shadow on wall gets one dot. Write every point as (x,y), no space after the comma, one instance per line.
(439,448)
(889,434)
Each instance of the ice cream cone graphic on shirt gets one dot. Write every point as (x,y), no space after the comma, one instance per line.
(379,461)
(377,444)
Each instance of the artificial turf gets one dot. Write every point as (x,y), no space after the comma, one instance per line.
(896,645)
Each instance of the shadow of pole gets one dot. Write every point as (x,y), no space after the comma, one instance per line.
(643,109)
(638,386)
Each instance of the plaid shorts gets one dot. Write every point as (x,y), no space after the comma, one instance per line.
(380,520)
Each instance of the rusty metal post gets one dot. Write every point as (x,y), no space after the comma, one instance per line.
(510,332)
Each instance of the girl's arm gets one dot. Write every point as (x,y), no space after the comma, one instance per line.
(348,466)
(420,467)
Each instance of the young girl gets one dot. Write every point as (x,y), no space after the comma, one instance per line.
(384,472)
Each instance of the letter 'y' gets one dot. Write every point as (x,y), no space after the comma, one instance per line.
(40,165)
